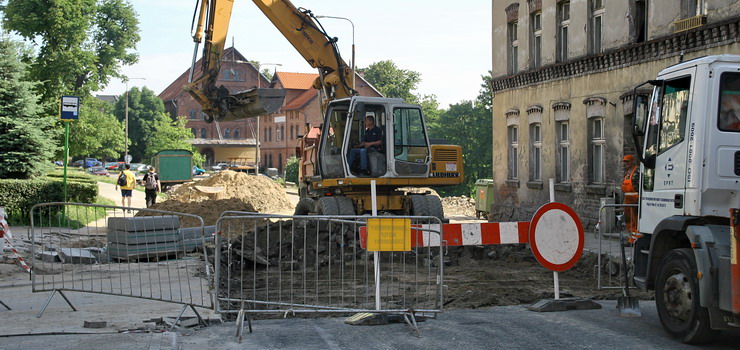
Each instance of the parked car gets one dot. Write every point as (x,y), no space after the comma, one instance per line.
(58,163)
(98,171)
(92,162)
(198,171)
(111,165)
(220,166)
(78,163)
(139,167)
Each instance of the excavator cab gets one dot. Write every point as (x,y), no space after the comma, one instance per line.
(403,152)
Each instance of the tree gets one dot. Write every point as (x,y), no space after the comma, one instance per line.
(291,169)
(164,133)
(98,132)
(144,108)
(392,81)
(81,43)
(26,148)
(468,124)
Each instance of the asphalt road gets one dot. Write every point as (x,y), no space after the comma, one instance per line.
(507,327)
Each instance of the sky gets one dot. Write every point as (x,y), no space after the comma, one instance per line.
(448,42)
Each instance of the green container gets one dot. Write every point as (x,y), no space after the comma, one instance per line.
(174,166)
(483,196)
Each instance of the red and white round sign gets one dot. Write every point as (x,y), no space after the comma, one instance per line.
(556,236)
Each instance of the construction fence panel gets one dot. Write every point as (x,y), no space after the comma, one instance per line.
(317,264)
(611,232)
(142,253)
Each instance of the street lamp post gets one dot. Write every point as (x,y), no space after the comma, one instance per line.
(353,44)
(125,126)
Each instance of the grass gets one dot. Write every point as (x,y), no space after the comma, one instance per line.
(73,217)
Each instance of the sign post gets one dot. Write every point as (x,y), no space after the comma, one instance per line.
(69,111)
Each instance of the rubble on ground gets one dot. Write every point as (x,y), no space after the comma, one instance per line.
(459,206)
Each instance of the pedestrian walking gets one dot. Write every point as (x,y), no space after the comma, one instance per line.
(127,183)
(151,186)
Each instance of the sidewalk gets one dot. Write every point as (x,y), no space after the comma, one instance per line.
(106,190)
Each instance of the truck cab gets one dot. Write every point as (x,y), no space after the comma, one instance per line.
(689,132)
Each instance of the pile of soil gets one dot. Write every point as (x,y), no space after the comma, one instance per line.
(240,192)
(259,192)
(209,210)
(459,206)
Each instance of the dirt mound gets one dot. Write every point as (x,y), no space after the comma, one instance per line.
(209,210)
(259,192)
(462,206)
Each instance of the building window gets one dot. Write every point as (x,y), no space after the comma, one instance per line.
(563,16)
(597,145)
(535,152)
(282,132)
(513,47)
(203,115)
(597,16)
(192,114)
(563,154)
(270,161)
(513,139)
(691,8)
(195,132)
(291,132)
(203,133)
(227,133)
(269,133)
(641,20)
(237,133)
(280,163)
(536,40)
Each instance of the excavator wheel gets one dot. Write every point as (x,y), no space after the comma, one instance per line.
(305,206)
(327,206)
(426,205)
(346,206)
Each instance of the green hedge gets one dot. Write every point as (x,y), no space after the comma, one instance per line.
(18,196)
(71,175)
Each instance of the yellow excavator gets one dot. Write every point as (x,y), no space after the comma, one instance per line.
(332,179)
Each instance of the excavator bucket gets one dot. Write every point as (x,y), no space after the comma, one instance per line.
(250,103)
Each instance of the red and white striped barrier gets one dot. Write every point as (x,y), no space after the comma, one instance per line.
(8,237)
(455,235)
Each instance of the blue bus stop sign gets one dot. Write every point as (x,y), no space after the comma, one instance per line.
(70,109)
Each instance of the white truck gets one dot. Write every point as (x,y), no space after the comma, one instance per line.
(688,137)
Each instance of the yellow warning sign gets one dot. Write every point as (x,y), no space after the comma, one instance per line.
(388,235)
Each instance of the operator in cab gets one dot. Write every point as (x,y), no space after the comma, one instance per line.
(372,141)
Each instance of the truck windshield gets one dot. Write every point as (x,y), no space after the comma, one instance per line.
(729,102)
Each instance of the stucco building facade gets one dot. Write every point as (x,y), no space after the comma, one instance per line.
(563,80)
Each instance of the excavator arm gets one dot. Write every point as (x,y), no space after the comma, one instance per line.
(301,29)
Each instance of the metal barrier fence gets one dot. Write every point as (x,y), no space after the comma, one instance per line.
(315,264)
(141,253)
(609,269)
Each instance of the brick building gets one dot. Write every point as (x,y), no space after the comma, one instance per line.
(280,131)
(563,75)
(224,140)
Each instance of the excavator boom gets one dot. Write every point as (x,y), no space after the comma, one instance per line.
(301,29)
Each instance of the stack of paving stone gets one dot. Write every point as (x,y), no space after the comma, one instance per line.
(145,237)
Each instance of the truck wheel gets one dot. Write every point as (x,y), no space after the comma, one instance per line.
(305,206)
(677,299)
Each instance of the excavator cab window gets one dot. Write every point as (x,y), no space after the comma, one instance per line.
(410,147)
(332,135)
